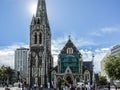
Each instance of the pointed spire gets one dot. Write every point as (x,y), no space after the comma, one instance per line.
(41,12)
(41,8)
(69,39)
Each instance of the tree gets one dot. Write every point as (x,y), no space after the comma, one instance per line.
(9,73)
(5,73)
(102,80)
(2,73)
(112,67)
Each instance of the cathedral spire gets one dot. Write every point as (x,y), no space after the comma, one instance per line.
(40,47)
(41,8)
(41,13)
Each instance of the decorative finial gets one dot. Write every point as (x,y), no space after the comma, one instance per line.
(93,55)
(69,37)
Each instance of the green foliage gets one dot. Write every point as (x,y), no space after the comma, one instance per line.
(102,80)
(5,73)
(112,67)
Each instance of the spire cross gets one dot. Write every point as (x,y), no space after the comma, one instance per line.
(69,37)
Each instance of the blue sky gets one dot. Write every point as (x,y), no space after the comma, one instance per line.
(94,26)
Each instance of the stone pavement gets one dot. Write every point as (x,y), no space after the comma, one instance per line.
(16,88)
(111,88)
(11,88)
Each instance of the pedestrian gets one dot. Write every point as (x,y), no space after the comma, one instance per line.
(48,84)
(88,86)
(6,88)
(19,85)
(41,87)
(35,86)
(108,86)
(82,87)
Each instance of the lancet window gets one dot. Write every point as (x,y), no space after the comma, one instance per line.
(40,38)
(35,38)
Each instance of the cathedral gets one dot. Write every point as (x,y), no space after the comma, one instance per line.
(71,67)
(40,59)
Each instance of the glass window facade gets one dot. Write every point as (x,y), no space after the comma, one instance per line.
(69,60)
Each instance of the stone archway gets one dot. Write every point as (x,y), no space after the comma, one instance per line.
(77,80)
(69,79)
(59,81)
(87,76)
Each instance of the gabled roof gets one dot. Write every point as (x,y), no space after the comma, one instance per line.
(69,44)
(68,70)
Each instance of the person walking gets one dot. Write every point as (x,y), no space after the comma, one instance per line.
(108,85)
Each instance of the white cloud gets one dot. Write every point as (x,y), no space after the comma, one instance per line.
(110,29)
(86,54)
(7,54)
(84,42)
(106,30)
(95,34)
(99,55)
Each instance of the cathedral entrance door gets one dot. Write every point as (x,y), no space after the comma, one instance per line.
(69,80)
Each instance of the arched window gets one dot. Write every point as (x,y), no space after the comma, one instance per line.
(87,76)
(69,51)
(34,21)
(40,38)
(38,21)
(35,38)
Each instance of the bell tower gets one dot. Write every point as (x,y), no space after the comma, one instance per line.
(40,58)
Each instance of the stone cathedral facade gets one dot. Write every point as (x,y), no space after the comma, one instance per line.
(40,59)
(70,68)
